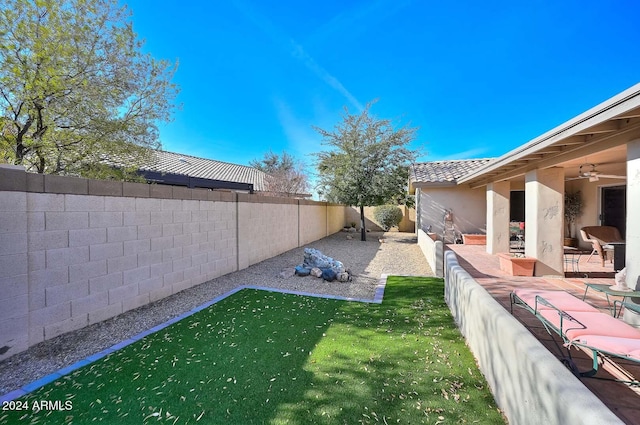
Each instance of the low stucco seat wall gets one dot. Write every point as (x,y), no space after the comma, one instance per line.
(432,251)
(528,383)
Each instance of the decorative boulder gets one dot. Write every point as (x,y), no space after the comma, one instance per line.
(329,275)
(315,258)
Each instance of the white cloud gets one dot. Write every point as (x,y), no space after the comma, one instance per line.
(358,19)
(298,52)
(301,137)
(302,55)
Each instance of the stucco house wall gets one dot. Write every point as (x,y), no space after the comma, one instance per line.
(590,203)
(468,206)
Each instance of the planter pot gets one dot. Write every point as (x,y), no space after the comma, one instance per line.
(516,266)
(573,242)
(474,239)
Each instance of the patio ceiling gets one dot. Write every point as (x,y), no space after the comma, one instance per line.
(597,136)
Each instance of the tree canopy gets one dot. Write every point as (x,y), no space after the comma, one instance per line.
(368,161)
(76,91)
(284,175)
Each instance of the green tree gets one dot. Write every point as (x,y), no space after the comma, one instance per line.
(368,163)
(77,95)
(284,175)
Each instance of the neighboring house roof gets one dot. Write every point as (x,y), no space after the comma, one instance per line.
(175,163)
(443,173)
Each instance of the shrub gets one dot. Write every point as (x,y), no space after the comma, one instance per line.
(387,216)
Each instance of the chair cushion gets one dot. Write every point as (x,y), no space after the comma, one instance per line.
(560,299)
(594,324)
(620,346)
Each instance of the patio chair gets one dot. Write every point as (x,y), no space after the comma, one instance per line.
(594,243)
(582,326)
(599,237)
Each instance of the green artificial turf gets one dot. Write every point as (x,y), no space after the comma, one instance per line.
(263,357)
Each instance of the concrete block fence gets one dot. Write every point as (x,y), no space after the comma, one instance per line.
(407,224)
(74,251)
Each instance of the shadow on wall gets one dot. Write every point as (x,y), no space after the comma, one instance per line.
(432,213)
(408,223)
(552,394)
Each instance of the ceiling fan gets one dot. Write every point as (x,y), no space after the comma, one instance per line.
(588,171)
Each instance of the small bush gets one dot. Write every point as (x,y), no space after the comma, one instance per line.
(387,216)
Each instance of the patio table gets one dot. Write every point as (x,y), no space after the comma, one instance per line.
(619,252)
(624,304)
(572,257)
(606,289)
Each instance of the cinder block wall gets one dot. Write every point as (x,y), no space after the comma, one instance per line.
(315,222)
(266,227)
(74,252)
(408,223)
(336,218)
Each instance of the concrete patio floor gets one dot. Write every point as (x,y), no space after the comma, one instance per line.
(485,269)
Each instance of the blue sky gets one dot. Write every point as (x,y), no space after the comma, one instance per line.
(477,78)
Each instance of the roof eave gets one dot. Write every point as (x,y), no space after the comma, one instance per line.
(626,100)
(420,185)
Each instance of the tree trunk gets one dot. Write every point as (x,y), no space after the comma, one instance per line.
(363,231)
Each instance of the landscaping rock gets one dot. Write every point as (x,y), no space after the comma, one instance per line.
(344,277)
(315,258)
(328,275)
(287,273)
(316,272)
(302,271)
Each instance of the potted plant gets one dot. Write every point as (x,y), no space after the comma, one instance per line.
(474,239)
(572,210)
(516,264)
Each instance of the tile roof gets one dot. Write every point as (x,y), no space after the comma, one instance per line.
(170,162)
(444,171)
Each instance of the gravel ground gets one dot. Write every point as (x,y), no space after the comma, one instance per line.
(398,254)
